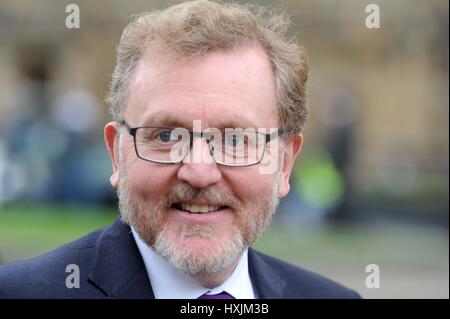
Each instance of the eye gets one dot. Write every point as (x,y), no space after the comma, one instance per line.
(164,136)
(234,140)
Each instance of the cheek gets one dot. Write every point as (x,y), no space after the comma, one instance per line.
(254,190)
(148,182)
(249,185)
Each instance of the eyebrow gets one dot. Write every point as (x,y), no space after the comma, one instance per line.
(164,120)
(172,121)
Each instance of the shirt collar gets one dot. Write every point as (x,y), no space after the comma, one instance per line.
(170,283)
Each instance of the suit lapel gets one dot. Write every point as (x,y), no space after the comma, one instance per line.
(118,270)
(117,267)
(267,283)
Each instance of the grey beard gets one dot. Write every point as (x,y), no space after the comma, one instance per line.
(210,261)
(213,260)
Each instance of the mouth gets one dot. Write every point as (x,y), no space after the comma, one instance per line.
(198,208)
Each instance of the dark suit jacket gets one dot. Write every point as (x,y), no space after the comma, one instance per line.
(110,265)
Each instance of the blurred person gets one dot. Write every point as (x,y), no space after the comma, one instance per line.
(192,201)
(32,142)
(81,173)
(317,188)
(339,117)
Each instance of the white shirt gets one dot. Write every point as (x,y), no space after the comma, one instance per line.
(170,283)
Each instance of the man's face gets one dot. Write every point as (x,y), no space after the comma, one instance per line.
(222,90)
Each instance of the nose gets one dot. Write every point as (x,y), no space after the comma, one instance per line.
(199,168)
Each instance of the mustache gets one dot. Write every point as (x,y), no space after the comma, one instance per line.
(185,193)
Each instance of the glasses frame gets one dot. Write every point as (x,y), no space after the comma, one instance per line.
(132,131)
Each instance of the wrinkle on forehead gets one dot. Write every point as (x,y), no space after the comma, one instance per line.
(213,86)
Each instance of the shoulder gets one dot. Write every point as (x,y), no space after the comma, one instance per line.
(301,283)
(45,275)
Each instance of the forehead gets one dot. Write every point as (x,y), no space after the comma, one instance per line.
(221,88)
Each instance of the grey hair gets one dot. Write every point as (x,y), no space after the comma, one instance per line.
(193,28)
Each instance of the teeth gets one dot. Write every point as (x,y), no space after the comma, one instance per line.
(199,208)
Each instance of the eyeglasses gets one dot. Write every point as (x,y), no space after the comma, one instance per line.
(229,147)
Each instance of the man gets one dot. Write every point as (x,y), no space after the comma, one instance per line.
(208,102)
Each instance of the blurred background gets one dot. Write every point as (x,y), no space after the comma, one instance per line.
(372,183)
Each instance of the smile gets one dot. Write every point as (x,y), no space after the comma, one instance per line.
(197,208)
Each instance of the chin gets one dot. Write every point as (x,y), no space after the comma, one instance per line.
(199,253)
(200,245)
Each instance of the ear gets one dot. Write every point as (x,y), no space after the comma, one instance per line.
(292,150)
(111,134)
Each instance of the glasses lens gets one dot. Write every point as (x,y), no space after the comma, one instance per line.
(162,144)
(239,148)
(234,147)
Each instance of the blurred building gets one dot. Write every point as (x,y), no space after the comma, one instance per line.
(378,97)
